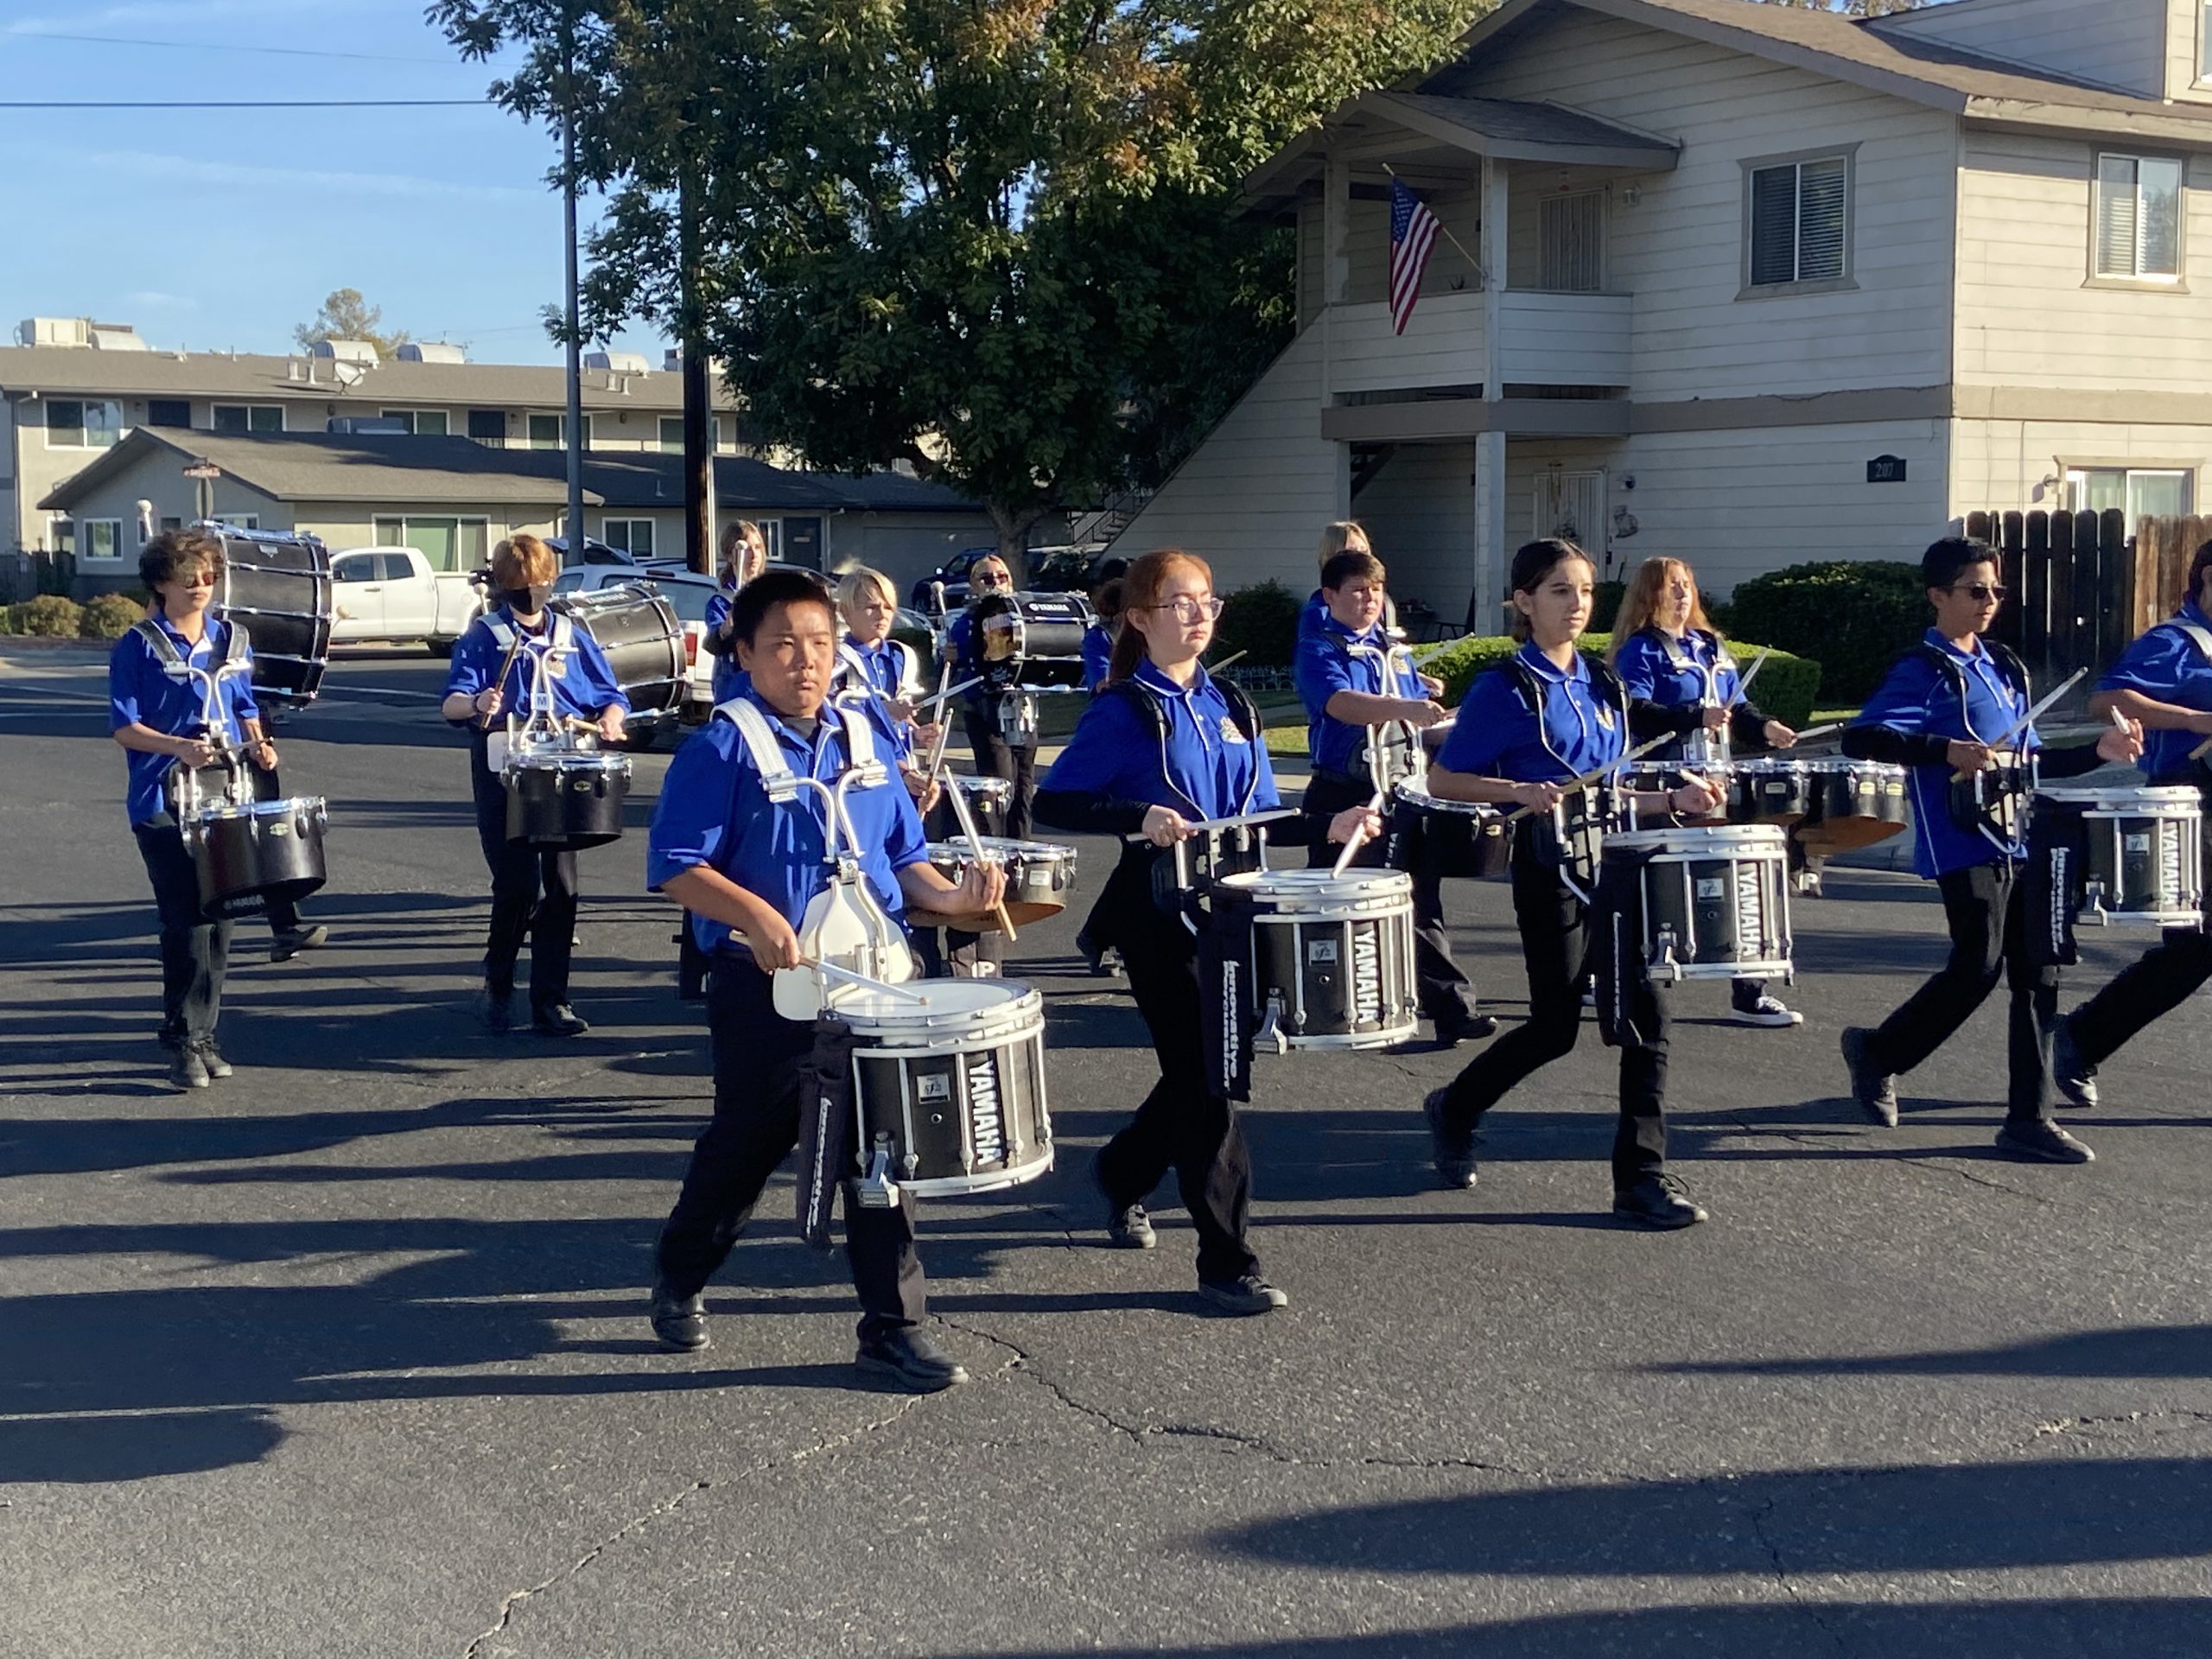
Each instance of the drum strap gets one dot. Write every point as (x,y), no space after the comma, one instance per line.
(228,654)
(1681,662)
(768,754)
(1146,702)
(559,636)
(826,1122)
(2009,664)
(2200,638)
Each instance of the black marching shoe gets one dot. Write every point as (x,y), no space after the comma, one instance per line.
(495,1007)
(216,1066)
(2043,1143)
(1248,1296)
(1875,1091)
(559,1020)
(282,947)
(1456,1026)
(1763,1010)
(187,1068)
(1660,1202)
(2075,1077)
(910,1360)
(1455,1164)
(680,1322)
(1130,1229)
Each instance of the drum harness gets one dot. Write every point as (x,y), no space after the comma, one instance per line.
(182,782)
(1607,685)
(1701,747)
(2016,783)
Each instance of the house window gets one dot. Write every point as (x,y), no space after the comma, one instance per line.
(1569,229)
(75,423)
(725,432)
(634,536)
(448,543)
(423,423)
(249,417)
(551,431)
(239,520)
(671,435)
(2139,218)
(1797,215)
(169,411)
(488,425)
(2137,492)
(100,541)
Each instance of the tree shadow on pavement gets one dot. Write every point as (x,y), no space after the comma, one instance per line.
(2163,1351)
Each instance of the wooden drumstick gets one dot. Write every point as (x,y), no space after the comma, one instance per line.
(975,846)
(1353,841)
(1575,786)
(499,680)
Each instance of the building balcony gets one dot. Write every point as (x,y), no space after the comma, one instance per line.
(1547,340)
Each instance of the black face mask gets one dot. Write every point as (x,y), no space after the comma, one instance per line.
(528,601)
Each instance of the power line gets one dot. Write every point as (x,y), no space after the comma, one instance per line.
(245,103)
(213,45)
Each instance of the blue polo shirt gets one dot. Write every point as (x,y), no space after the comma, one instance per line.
(1199,764)
(139,693)
(1097,654)
(1919,700)
(879,672)
(1332,658)
(714,811)
(584,687)
(2164,663)
(729,679)
(1648,669)
(1497,735)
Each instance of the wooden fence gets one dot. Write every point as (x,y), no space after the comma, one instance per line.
(2083,587)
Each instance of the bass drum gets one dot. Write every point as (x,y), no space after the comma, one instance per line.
(643,639)
(278,585)
(1031,641)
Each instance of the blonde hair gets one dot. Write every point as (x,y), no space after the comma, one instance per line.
(743,538)
(1640,603)
(523,560)
(1345,536)
(852,588)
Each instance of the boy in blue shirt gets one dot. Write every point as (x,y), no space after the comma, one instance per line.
(745,867)
(1954,705)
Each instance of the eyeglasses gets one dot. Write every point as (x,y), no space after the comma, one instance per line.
(1980,592)
(987,579)
(1190,609)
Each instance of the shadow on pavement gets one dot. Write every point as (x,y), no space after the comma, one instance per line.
(2170,1350)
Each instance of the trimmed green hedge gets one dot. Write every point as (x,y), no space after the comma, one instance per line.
(1786,686)
(108,616)
(50,617)
(1262,622)
(1851,616)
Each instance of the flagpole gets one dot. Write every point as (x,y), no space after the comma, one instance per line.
(1444,230)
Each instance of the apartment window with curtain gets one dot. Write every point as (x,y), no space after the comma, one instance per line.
(671,435)
(1570,242)
(100,540)
(249,417)
(447,543)
(634,536)
(2137,492)
(488,425)
(550,431)
(78,424)
(2138,221)
(1797,222)
(423,423)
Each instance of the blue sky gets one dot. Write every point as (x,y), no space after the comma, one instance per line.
(222,229)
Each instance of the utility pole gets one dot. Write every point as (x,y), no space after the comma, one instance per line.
(575,424)
(698,407)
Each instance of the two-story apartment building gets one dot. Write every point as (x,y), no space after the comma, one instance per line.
(1741,283)
(72,389)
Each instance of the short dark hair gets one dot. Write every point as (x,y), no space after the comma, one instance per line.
(771,588)
(2198,567)
(1941,564)
(1112,570)
(170,553)
(1351,564)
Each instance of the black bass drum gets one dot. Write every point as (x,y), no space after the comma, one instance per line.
(644,641)
(278,584)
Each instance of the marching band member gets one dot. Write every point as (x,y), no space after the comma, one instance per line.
(1350,684)
(2163,683)
(745,867)
(1098,637)
(1945,705)
(519,634)
(984,711)
(744,556)
(1679,678)
(1547,716)
(1164,746)
(884,669)
(162,723)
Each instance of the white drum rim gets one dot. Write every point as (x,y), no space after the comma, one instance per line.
(1827,766)
(1308,884)
(878,1018)
(2181,800)
(1031,852)
(283,808)
(528,762)
(1761,765)
(1415,795)
(962,1187)
(1387,1037)
(1713,840)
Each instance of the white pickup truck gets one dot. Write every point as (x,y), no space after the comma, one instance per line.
(392,592)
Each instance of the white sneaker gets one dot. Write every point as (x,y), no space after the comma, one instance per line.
(1767,1011)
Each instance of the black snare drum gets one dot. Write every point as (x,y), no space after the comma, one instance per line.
(565,799)
(1031,641)
(1331,962)
(1712,901)
(1455,838)
(2129,855)
(1993,803)
(1767,791)
(245,855)
(278,585)
(643,642)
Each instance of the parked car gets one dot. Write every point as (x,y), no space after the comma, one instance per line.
(392,592)
(687,595)
(1048,570)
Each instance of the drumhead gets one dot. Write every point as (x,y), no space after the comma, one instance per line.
(2163,801)
(1414,796)
(1833,765)
(1011,852)
(543,761)
(1701,841)
(288,807)
(1319,887)
(1763,766)
(986,1002)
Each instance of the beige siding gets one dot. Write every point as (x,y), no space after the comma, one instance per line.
(2003,465)
(2119,42)
(1680,250)
(1253,497)
(1309,260)
(2027,314)
(1458,211)
(1419,514)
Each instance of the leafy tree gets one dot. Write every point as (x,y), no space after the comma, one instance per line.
(992,237)
(346,315)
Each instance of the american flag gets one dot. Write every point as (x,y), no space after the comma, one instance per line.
(1413,236)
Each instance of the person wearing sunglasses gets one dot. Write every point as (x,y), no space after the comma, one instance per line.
(2164,681)
(1953,706)
(1001,731)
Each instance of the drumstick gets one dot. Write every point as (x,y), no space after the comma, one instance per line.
(2028,719)
(851,978)
(1352,841)
(1821,731)
(975,846)
(944,731)
(1233,657)
(500,678)
(1575,786)
(1207,826)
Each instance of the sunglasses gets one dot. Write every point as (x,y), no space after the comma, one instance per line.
(1981,592)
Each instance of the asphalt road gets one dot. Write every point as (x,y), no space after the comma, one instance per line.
(347,1356)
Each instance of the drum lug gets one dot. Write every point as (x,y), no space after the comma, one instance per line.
(876,1190)
(1270,1032)
(2093,904)
(1667,963)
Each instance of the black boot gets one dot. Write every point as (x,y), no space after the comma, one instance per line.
(908,1359)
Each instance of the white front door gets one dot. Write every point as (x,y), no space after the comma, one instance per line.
(1572,506)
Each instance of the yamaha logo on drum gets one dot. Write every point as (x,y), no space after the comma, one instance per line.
(986,1120)
(1367,974)
(1750,915)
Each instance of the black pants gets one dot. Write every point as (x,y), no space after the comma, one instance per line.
(1556,944)
(2155,983)
(520,874)
(1445,992)
(1180,1125)
(756,1055)
(954,952)
(996,757)
(194,951)
(283,914)
(1982,905)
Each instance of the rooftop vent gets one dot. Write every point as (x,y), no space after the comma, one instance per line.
(54,331)
(617,362)
(347,351)
(431,351)
(116,337)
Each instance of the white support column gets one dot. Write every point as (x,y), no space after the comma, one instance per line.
(1490,546)
(1493,245)
(1335,267)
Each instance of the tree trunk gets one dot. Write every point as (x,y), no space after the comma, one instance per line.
(1014,526)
